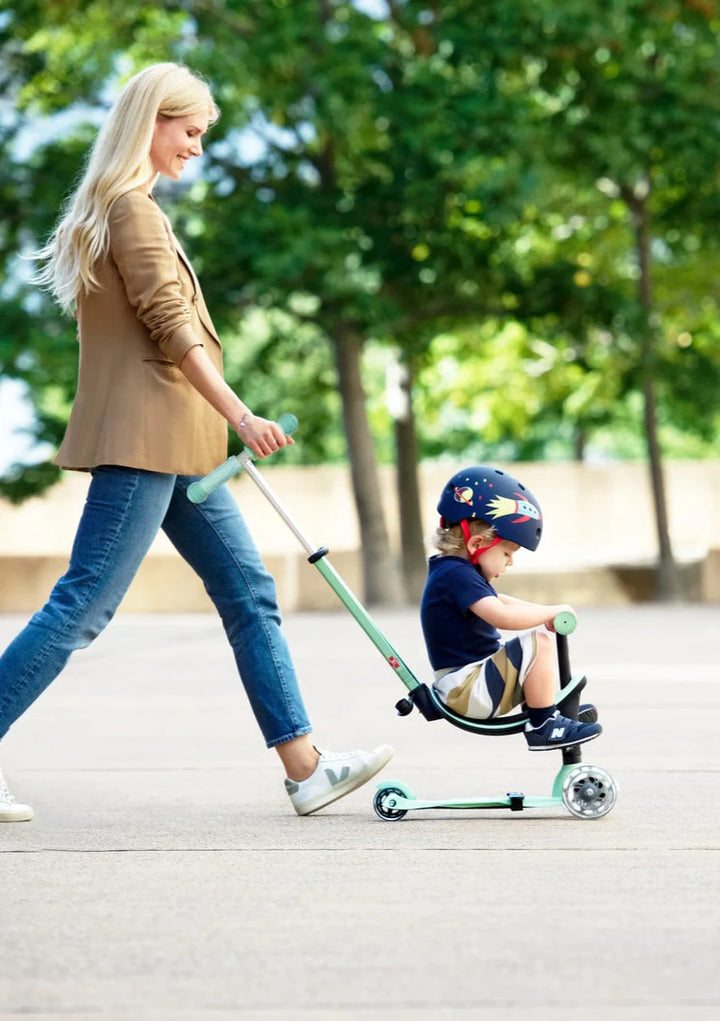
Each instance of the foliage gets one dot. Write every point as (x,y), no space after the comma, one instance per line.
(455,181)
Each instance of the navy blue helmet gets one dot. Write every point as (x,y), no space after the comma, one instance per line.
(496,497)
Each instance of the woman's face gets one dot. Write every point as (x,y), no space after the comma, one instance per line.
(174,141)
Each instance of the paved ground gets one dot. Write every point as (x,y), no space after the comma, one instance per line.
(165,876)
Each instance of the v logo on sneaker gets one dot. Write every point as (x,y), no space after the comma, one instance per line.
(334,778)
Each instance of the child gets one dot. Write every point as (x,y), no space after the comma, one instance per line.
(486,515)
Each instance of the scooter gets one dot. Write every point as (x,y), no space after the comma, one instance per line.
(586,791)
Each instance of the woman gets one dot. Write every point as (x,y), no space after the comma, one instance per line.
(149,416)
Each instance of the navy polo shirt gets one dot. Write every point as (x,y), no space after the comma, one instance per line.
(453,634)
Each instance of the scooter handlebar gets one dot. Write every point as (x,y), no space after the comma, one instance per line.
(199,491)
(564,622)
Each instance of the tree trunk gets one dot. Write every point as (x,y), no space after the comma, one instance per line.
(667,587)
(414,564)
(381,583)
(667,579)
(579,444)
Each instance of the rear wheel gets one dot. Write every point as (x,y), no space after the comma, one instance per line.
(384,802)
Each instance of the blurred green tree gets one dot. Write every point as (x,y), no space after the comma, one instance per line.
(391,169)
(420,175)
(626,94)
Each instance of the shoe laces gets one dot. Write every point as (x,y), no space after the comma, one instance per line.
(341,755)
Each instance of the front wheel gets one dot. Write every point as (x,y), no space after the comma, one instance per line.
(384,802)
(589,792)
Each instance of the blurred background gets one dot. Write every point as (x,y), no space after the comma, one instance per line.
(439,233)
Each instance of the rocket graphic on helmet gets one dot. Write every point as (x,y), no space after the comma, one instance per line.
(496,497)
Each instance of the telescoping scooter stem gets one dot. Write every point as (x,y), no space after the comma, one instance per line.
(199,491)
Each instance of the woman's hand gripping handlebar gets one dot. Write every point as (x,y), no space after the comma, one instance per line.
(201,490)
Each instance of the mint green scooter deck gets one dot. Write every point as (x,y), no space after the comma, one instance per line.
(585,791)
(515,801)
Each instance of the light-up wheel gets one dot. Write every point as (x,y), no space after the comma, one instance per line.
(589,792)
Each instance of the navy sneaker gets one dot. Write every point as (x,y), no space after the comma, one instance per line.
(559,732)
(587,712)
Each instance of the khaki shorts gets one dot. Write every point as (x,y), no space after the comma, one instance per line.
(467,690)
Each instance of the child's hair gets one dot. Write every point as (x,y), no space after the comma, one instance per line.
(451,541)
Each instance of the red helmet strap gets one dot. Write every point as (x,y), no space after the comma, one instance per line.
(475,556)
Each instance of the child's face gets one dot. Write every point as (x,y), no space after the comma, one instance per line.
(497,560)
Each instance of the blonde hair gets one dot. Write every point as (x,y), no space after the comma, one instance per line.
(451,541)
(118,162)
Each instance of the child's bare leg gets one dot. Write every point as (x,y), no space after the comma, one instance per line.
(547,728)
(541,678)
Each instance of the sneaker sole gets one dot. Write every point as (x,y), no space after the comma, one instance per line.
(566,744)
(17,813)
(349,785)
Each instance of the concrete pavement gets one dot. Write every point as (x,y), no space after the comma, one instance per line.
(166,877)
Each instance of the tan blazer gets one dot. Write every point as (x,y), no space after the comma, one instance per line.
(133,404)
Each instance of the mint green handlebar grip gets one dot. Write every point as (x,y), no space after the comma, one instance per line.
(287,422)
(565,622)
(199,491)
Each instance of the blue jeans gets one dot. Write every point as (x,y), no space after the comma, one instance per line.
(124,510)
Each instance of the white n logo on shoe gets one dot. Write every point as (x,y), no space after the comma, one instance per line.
(334,778)
(557,733)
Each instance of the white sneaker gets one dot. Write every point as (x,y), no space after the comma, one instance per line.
(10,811)
(336,774)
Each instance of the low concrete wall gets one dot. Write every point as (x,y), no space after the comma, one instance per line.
(598,545)
(166,584)
(710,577)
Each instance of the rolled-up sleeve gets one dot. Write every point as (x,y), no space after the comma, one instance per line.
(143,252)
